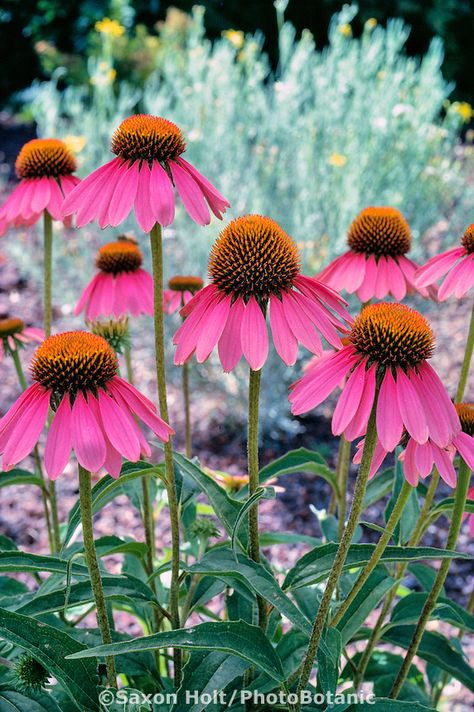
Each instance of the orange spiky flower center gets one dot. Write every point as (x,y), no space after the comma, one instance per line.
(148,138)
(185,283)
(467,240)
(74,361)
(120,256)
(45,157)
(380,231)
(253,255)
(465,412)
(392,335)
(10,327)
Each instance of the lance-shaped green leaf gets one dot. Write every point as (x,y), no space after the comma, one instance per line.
(317,563)
(300,460)
(376,586)
(233,637)
(378,487)
(409,608)
(12,561)
(436,649)
(222,563)
(204,673)
(12,700)
(50,646)
(19,477)
(260,493)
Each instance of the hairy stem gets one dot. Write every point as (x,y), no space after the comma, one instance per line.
(342,474)
(156,244)
(466,364)
(85,498)
(341,554)
(462,487)
(187,411)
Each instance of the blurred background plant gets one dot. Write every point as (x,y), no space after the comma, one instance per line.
(309,139)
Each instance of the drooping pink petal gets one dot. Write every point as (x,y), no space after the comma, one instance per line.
(254,335)
(41,195)
(209,337)
(285,342)
(87,438)
(345,272)
(437,266)
(143,207)
(33,333)
(465,445)
(383,278)
(349,400)
(59,443)
(321,317)
(388,419)
(140,405)
(409,464)
(445,466)
(190,193)
(161,195)
(29,422)
(11,417)
(86,191)
(300,323)
(86,295)
(216,200)
(410,407)
(396,280)
(123,196)
(107,191)
(424,458)
(119,427)
(438,425)
(188,333)
(56,198)
(10,208)
(459,279)
(445,407)
(230,346)
(367,289)
(327,296)
(358,425)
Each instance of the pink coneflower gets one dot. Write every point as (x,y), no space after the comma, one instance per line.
(45,167)
(121,286)
(458,266)
(375,265)
(14,335)
(95,410)
(147,167)
(181,289)
(391,343)
(255,265)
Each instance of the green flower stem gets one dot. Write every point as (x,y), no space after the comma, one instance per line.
(342,474)
(341,554)
(187,411)
(85,498)
(156,244)
(48,315)
(393,520)
(466,364)
(400,570)
(253,473)
(128,364)
(39,469)
(462,487)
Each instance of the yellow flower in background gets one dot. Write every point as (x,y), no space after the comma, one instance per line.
(235,37)
(371,23)
(345,29)
(75,143)
(337,159)
(464,109)
(106,26)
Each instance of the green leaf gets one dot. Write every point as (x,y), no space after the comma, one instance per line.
(376,586)
(19,477)
(50,646)
(411,511)
(300,460)
(271,538)
(232,637)
(378,487)
(221,562)
(328,660)
(409,608)
(204,673)
(425,575)
(260,493)
(118,588)
(226,508)
(21,561)
(105,490)
(383,704)
(434,648)
(317,563)
(11,700)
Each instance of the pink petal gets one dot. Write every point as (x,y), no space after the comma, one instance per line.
(396,280)
(409,464)
(465,445)
(383,278)
(143,208)
(445,407)
(28,426)
(209,337)
(56,198)
(358,426)
(389,420)
(459,279)
(140,405)
(230,347)
(59,443)
(191,194)
(124,194)
(119,427)
(87,438)
(411,408)
(187,336)
(161,195)
(104,198)
(349,400)
(216,200)
(424,458)
(11,417)
(254,335)
(41,195)
(437,266)
(438,425)
(87,189)
(285,342)
(445,465)
(299,322)
(367,289)
(86,295)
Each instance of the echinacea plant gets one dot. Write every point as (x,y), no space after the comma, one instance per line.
(208,590)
